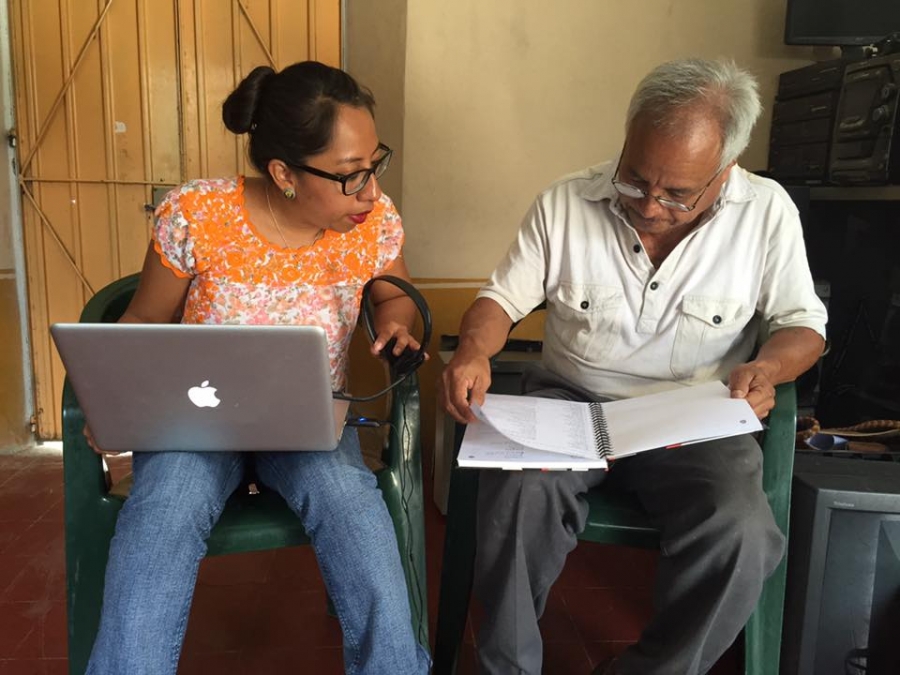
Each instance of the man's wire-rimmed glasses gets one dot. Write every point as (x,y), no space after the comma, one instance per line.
(635,192)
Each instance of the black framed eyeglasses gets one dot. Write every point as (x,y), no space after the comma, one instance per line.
(637,193)
(352,183)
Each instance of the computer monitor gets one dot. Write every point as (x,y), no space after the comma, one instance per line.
(840,22)
(843,595)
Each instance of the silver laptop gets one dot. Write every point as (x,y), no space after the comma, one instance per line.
(199,387)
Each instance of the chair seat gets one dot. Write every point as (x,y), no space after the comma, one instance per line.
(249,522)
(617,518)
(255,522)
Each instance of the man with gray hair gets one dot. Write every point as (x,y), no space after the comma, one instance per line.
(664,268)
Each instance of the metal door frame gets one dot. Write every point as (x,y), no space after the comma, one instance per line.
(7,98)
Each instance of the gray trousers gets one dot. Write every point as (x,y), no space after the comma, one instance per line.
(719,542)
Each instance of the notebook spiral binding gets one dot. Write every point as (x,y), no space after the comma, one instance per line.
(601,430)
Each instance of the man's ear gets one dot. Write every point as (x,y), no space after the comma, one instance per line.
(727,170)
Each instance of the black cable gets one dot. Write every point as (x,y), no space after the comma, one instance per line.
(860,317)
(344,396)
(856,661)
(365,423)
(407,482)
(400,367)
(409,360)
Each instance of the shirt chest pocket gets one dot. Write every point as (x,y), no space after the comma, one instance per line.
(707,329)
(586,319)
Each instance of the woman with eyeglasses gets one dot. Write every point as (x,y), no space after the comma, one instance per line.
(293,245)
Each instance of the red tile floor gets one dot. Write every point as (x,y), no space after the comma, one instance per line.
(264,613)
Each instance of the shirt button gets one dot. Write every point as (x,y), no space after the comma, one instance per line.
(654,286)
(585,304)
(637,248)
(717,319)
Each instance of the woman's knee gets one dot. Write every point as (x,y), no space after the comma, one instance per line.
(180,491)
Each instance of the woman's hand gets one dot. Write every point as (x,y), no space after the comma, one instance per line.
(393,330)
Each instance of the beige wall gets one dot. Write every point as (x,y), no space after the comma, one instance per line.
(504,96)
(375,54)
(488,101)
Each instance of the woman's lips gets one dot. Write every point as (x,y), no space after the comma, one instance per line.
(360,218)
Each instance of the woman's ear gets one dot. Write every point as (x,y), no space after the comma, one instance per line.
(281,175)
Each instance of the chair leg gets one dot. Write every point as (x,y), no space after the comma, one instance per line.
(457,571)
(762,635)
(87,551)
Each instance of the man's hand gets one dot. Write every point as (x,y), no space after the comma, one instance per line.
(465,380)
(750,381)
(483,332)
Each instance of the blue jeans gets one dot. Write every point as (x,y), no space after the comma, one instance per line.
(161,538)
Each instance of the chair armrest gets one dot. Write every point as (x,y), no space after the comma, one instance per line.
(403,443)
(84,477)
(778,452)
(401,486)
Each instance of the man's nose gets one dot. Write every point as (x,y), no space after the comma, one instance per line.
(649,207)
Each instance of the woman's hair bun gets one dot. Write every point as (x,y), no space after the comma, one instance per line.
(239,109)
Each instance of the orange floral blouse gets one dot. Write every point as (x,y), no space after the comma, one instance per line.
(202,231)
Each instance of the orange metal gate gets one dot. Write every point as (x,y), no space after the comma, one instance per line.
(117,100)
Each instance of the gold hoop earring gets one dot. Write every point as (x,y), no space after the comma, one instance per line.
(289,193)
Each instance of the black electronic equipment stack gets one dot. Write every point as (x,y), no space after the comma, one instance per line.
(802,122)
(865,147)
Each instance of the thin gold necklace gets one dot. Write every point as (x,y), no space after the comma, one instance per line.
(274,219)
(319,234)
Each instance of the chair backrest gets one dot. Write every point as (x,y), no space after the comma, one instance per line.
(111,301)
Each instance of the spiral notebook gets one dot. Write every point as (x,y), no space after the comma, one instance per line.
(520,432)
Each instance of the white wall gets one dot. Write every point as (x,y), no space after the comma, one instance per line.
(504,96)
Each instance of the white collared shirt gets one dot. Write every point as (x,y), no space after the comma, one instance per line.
(619,327)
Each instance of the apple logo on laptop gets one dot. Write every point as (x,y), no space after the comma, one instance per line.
(203,396)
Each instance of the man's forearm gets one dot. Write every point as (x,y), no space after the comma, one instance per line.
(485,327)
(789,353)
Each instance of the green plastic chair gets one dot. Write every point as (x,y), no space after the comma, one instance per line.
(615,518)
(254,522)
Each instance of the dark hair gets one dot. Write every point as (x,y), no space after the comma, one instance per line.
(290,115)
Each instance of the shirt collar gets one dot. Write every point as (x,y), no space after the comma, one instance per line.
(598,184)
